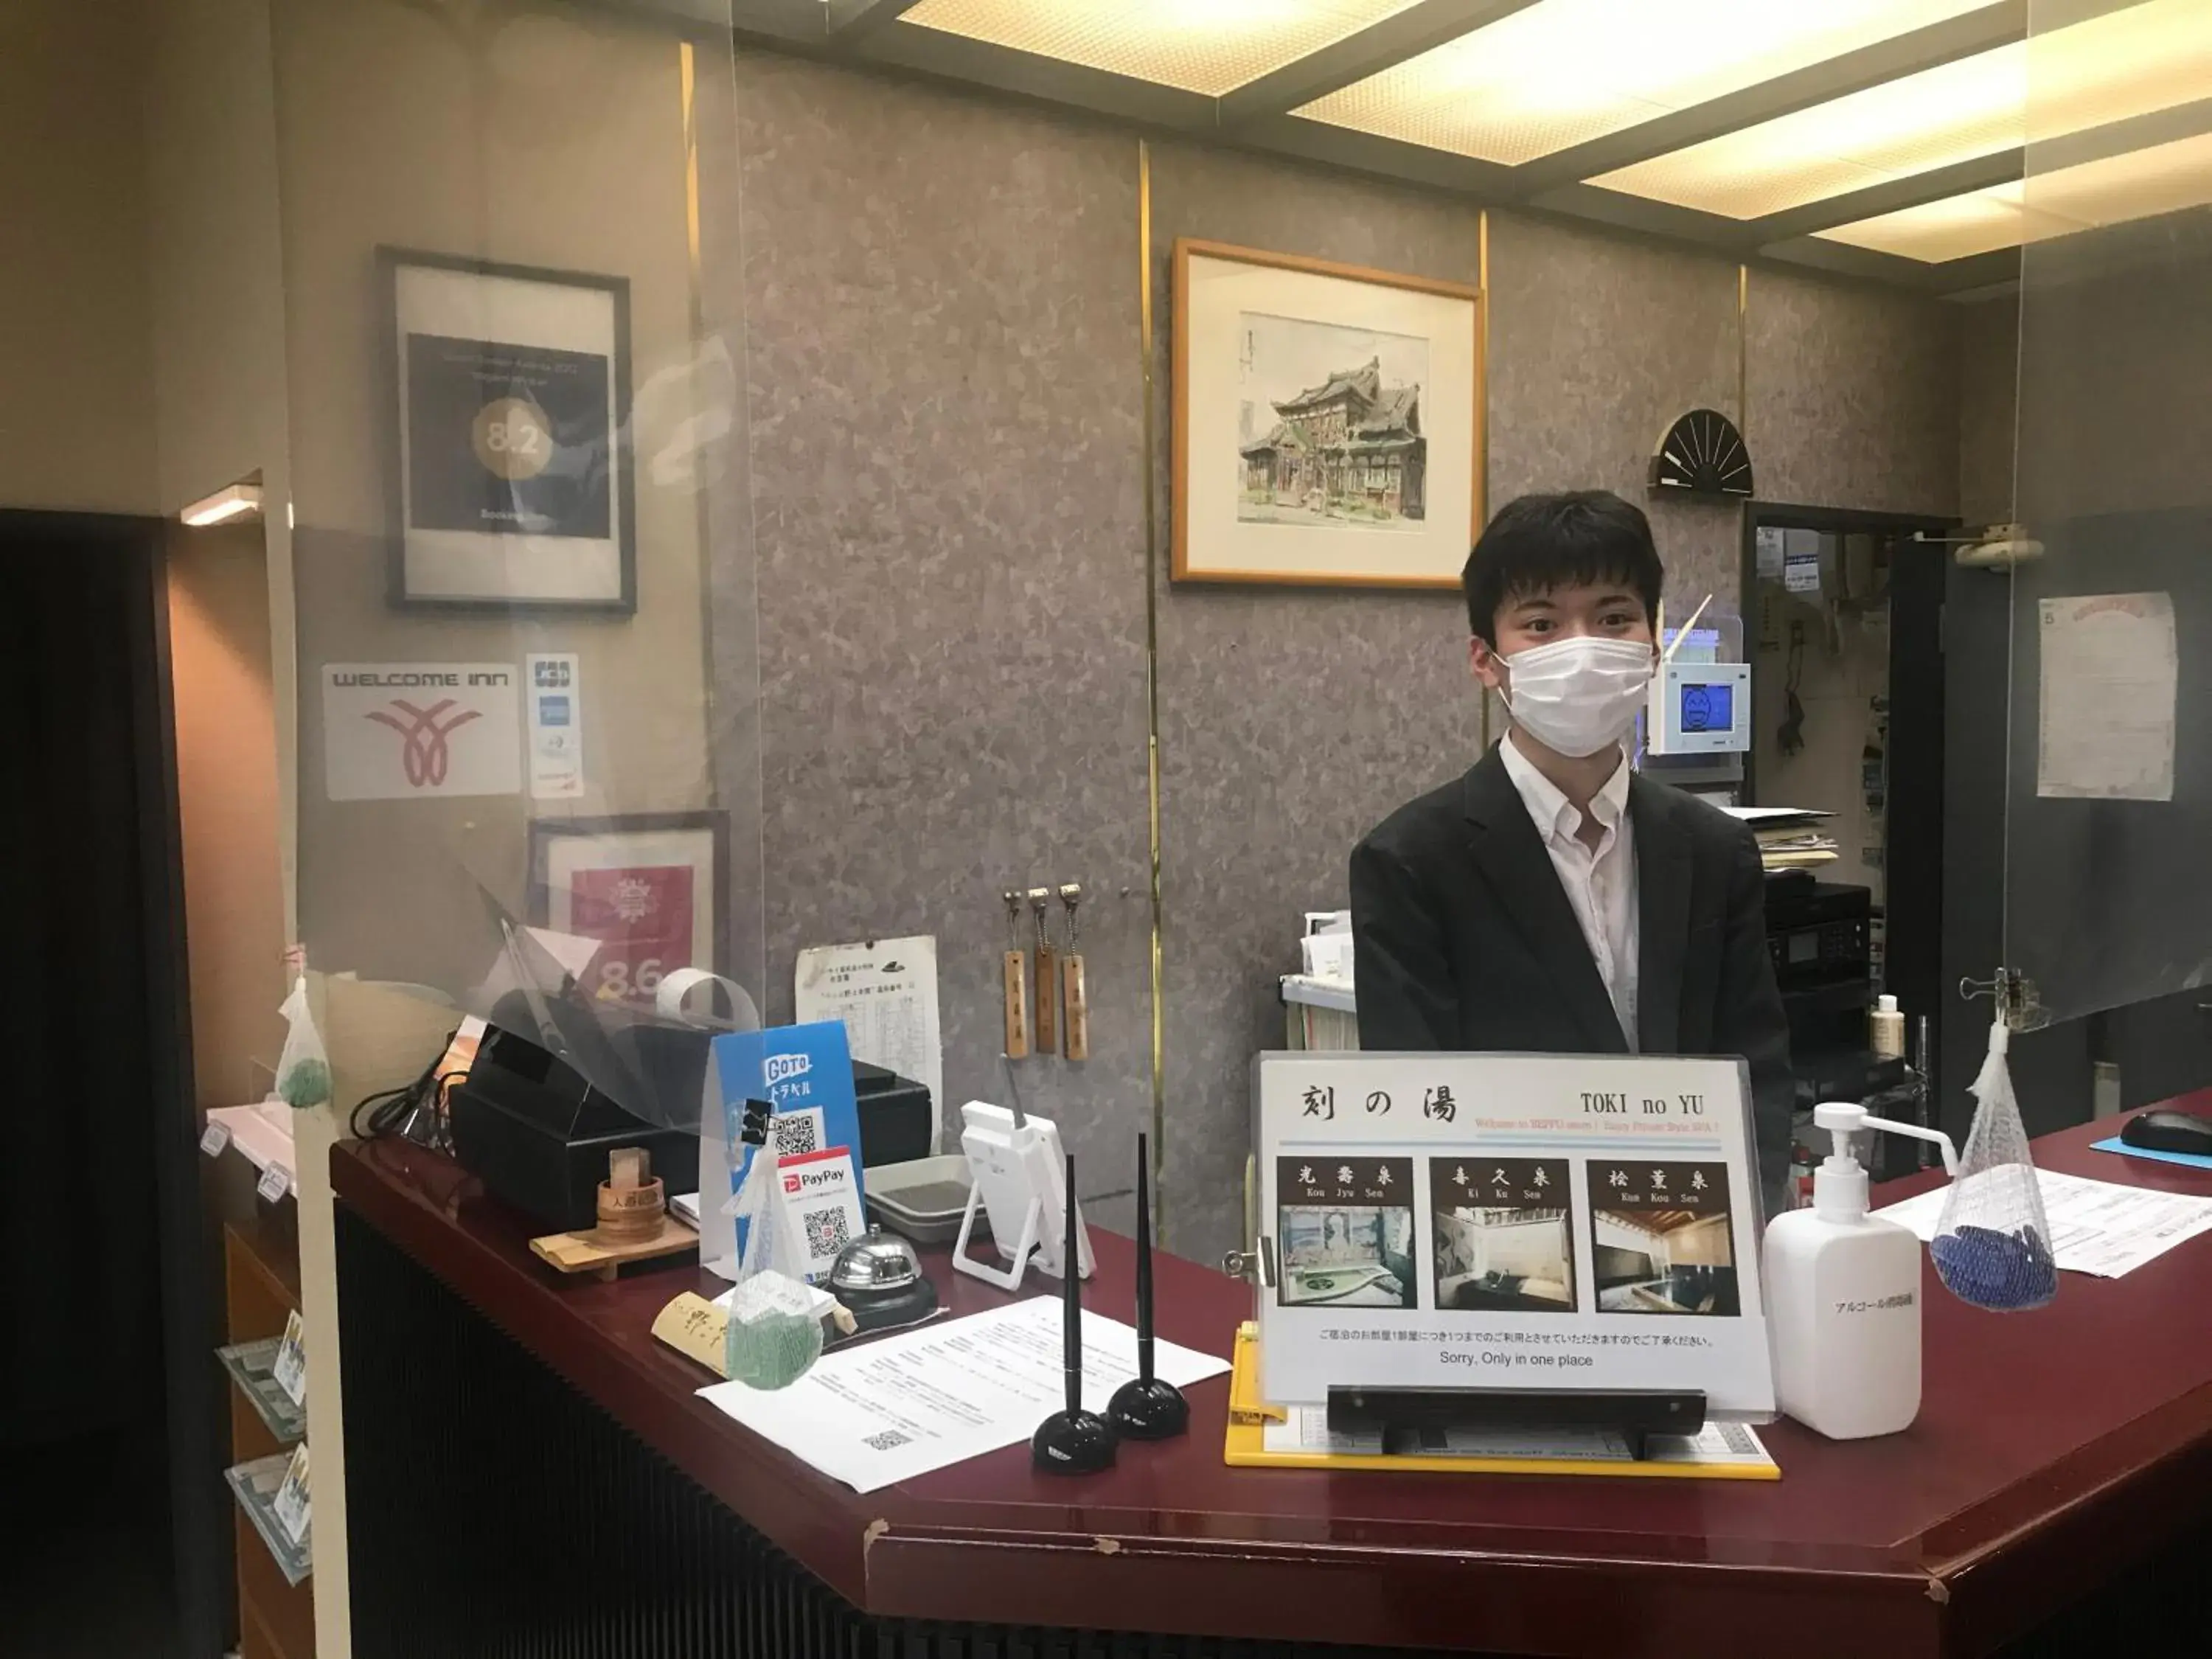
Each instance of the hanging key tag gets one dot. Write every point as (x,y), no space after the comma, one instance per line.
(1048,978)
(1017,982)
(1075,998)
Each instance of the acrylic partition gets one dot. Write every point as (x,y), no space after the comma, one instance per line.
(528,685)
(2109,776)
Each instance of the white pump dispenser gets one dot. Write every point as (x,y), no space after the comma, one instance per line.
(1843,1291)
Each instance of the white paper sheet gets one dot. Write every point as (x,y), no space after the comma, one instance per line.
(1770,545)
(2106,700)
(895,1409)
(1306,1429)
(2097,1227)
(1801,560)
(885,991)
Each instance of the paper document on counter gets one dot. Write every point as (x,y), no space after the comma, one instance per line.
(1306,1429)
(2097,1227)
(893,1409)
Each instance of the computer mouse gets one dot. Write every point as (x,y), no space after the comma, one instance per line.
(2169,1131)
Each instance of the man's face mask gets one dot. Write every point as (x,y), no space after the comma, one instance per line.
(1576,696)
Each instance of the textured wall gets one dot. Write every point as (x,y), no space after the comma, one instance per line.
(1290,719)
(942,373)
(1596,344)
(1989,388)
(1854,395)
(75,367)
(943,378)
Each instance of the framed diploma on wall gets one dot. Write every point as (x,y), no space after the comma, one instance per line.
(650,887)
(511,485)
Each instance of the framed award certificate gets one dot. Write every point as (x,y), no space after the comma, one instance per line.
(651,888)
(511,483)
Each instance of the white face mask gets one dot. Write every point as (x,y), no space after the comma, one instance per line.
(1576,696)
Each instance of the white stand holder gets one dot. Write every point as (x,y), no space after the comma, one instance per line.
(1016,1175)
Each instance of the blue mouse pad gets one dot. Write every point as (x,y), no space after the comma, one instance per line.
(2194,1160)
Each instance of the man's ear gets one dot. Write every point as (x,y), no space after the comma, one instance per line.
(1484,662)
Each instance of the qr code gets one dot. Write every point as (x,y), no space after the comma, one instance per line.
(827,1231)
(888,1440)
(795,1135)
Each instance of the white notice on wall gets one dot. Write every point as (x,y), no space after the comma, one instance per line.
(2105,701)
(557,726)
(397,731)
(885,991)
(1769,539)
(1801,560)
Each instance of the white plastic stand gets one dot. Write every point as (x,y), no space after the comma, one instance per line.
(1006,1278)
(1016,1176)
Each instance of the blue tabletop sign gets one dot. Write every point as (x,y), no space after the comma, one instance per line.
(805,1072)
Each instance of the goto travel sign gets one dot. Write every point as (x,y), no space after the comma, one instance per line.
(397,731)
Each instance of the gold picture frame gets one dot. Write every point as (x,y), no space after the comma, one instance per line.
(1353,482)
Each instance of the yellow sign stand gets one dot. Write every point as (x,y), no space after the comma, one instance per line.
(1246,1446)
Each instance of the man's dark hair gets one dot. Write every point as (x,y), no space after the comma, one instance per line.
(1578,538)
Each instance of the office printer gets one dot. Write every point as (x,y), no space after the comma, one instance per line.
(1820,936)
(536,1131)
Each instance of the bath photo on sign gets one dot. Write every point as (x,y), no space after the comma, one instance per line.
(1344,1231)
(1662,1239)
(1504,1236)
(1328,425)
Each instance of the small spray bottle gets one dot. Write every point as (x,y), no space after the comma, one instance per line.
(1842,1288)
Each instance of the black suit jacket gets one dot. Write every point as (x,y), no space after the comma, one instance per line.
(1464,940)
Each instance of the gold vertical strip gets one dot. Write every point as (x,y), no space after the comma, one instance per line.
(1482,393)
(688,69)
(1482,356)
(1744,352)
(1151,659)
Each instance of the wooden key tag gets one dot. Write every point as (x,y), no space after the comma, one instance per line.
(1017,975)
(1075,997)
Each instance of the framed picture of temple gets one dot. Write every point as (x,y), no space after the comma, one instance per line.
(1328,421)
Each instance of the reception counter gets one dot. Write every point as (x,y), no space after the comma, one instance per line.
(530,1472)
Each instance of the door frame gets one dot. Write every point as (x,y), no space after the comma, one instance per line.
(1912,855)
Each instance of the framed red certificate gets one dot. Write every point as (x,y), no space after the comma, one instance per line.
(650,887)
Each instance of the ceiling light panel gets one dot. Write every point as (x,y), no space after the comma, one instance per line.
(2164,178)
(1563,72)
(2125,64)
(1209,46)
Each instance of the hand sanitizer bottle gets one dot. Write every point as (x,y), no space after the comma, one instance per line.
(1843,1290)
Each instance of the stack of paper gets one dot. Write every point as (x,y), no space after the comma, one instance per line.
(1789,837)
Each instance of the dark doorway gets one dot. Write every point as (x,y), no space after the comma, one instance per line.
(1848,680)
(107,1400)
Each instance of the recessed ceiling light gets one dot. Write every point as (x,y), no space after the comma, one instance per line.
(1209,46)
(1563,72)
(2125,64)
(238,501)
(2164,178)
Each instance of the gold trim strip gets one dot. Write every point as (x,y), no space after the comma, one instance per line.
(1744,352)
(1151,660)
(688,71)
(1482,391)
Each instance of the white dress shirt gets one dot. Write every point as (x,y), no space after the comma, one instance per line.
(1600,886)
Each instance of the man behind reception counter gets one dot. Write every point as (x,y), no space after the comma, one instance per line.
(1551,900)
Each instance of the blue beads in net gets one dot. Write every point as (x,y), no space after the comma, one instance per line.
(2002,1272)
